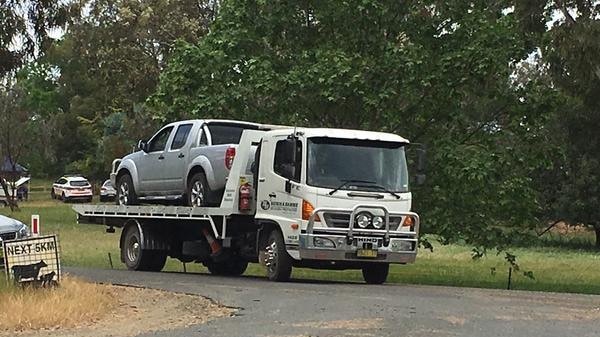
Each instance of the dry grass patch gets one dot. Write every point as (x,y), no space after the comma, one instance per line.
(81,309)
(73,302)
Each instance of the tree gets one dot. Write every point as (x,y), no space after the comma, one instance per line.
(570,51)
(436,72)
(14,137)
(108,63)
(25,28)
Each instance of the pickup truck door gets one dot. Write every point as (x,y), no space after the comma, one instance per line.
(275,169)
(151,164)
(177,158)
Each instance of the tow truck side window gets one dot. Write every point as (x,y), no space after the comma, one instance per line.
(159,142)
(284,163)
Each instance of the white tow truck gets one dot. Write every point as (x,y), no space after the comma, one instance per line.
(316,198)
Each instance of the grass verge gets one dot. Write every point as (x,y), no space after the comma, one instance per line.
(555,268)
(32,309)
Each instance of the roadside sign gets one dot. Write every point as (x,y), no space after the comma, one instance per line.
(34,260)
(35,225)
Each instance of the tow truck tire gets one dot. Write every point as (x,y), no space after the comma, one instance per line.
(198,192)
(125,191)
(157,258)
(278,261)
(136,258)
(376,273)
(233,266)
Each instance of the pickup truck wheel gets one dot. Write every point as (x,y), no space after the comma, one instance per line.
(376,273)
(198,191)
(136,258)
(125,191)
(278,261)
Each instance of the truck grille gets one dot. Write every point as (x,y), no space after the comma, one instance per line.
(341,220)
(8,236)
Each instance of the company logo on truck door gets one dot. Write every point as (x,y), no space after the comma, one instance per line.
(290,207)
(265,204)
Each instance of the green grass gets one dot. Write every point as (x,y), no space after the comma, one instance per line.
(555,268)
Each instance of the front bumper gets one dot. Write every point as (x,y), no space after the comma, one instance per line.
(351,244)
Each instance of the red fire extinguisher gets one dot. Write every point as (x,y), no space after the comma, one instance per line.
(245,197)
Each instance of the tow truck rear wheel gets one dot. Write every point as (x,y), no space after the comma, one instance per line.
(376,273)
(278,261)
(233,266)
(135,257)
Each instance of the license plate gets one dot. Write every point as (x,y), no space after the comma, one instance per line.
(370,253)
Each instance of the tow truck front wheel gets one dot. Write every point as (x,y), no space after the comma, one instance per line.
(135,257)
(376,273)
(277,260)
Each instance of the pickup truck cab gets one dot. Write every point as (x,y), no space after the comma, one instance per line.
(187,160)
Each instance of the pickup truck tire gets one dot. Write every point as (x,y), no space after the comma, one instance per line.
(198,191)
(125,191)
(278,261)
(233,266)
(376,273)
(135,257)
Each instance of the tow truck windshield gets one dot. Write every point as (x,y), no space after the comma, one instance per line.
(336,163)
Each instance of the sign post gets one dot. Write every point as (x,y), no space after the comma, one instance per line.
(35,225)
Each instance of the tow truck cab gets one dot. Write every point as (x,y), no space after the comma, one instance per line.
(340,197)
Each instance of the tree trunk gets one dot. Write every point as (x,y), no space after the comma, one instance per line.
(10,200)
(597,230)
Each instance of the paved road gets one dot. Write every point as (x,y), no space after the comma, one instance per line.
(358,310)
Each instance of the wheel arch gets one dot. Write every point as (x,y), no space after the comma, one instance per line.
(201,164)
(264,230)
(128,167)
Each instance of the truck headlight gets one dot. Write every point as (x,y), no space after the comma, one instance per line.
(323,242)
(363,219)
(378,222)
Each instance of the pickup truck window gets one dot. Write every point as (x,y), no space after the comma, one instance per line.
(227,133)
(159,142)
(284,164)
(181,136)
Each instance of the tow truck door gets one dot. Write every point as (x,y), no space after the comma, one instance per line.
(276,170)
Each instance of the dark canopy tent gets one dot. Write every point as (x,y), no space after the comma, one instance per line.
(8,169)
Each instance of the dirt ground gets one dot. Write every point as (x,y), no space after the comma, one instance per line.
(140,310)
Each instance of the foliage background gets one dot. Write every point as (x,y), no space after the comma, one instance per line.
(501,93)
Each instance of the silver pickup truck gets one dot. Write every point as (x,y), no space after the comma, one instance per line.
(187,160)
